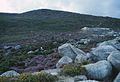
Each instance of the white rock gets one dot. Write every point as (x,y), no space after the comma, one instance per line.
(49,71)
(30,52)
(64,60)
(10,73)
(99,70)
(17,47)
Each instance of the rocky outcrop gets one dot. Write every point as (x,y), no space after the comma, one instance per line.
(10,73)
(102,52)
(64,60)
(99,70)
(114,58)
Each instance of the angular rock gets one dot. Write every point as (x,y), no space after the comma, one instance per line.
(88,81)
(10,73)
(80,58)
(64,60)
(114,58)
(102,52)
(117,79)
(99,70)
(70,51)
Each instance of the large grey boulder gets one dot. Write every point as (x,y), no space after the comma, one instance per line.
(64,60)
(99,70)
(114,58)
(115,43)
(117,79)
(10,73)
(70,51)
(88,81)
(102,52)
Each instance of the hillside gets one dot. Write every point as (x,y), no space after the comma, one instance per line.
(15,27)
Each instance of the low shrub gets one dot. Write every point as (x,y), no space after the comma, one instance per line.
(41,77)
(73,70)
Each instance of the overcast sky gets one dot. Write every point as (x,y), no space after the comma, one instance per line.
(94,7)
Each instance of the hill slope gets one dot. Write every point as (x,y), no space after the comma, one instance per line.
(17,26)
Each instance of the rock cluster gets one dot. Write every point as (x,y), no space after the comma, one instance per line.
(106,58)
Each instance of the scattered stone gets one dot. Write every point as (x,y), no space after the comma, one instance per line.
(30,52)
(7,47)
(17,47)
(84,41)
(52,71)
(80,78)
(114,58)
(102,52)
(65,79)
(10,73)
(117,79)
(88,81)
(64,60)
(99,70)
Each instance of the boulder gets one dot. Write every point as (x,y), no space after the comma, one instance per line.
(102,52)
(10,73)
(64,60)
(117,79)
(88,81)
(115,43)
(70,51)
(114,58)
(99,70)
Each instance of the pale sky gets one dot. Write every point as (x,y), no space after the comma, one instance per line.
(94,7)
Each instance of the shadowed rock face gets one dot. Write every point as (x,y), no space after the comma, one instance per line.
(117,79)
